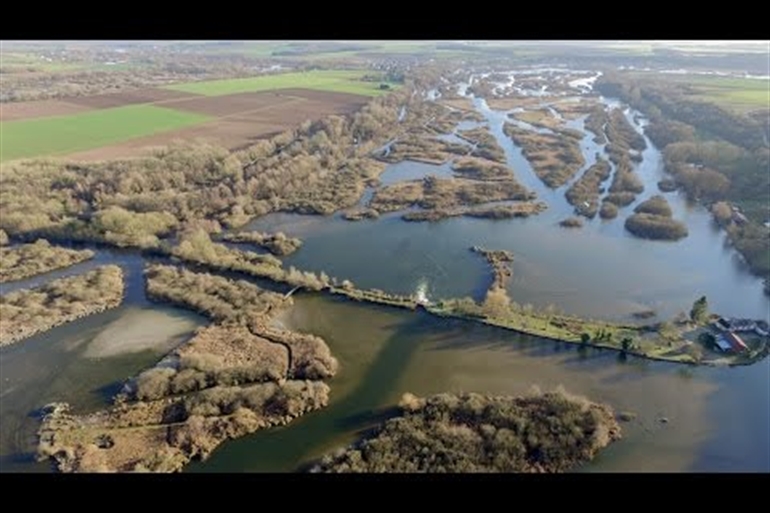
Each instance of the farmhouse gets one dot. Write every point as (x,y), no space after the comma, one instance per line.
(733,341)
(723,345)
(739,325)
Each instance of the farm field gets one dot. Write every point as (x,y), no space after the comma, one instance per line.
(342,81)
(230,113)
(14,111)
(735,93)
(66,134)
(741,94)
(237,120)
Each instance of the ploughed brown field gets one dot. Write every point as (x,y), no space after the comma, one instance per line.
(240,119)
(15,111)
(132,97)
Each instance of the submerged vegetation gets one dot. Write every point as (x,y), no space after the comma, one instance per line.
(27,312)
(551,432)
(27,260)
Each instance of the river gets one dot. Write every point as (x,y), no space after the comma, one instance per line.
(84,362)
(599,271)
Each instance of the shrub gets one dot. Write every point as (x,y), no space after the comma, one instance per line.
(650,226)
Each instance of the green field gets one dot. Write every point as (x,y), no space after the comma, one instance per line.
(341,81)
(741,94)
(78,132)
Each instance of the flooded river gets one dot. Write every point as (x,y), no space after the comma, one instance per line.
(599,271)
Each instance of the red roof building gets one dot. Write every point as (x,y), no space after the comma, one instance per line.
(735,341)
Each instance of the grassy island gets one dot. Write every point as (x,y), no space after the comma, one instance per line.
(584,193)
(554,158)
(485,144)
(571,222)
(19,262)
(551,432)
(652,219)
(481,169)
(26,312)
(432,193)
(276,243)
(504,211)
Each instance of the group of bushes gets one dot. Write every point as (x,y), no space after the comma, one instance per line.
(432,193)
(196,247)
(214,296)
(30,259)
(550,432)
(276,243)
(486,146)
(30,311)
(318,168)
(587,188)
(652,220)
(554,158)
(480,169)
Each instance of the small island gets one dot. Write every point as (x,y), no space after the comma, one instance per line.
(554,158)
(453,196)
(571,222)
(276,243)
(27,312)
(26,260)
(551,432)
(584,193)
(652,219)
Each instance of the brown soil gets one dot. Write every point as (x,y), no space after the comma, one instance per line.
(15,111)
(242,119)
(135,97)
